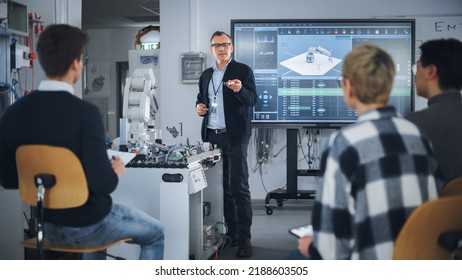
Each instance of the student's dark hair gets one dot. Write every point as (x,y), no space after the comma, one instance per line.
(58,46)
(219,33)
(446,55)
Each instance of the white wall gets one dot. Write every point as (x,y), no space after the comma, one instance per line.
(187,25)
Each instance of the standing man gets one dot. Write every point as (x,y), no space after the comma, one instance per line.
(438,78)
(227,93)
(52,115)
(376,171)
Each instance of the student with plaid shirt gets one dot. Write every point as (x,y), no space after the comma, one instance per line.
(376,171)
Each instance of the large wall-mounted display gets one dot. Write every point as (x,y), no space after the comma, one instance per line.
(297,66)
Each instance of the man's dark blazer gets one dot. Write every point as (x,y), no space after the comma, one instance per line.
(237,105)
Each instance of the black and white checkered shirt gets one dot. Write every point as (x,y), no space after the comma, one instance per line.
(377,171)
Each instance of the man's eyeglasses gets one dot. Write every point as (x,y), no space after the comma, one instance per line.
(414,69)
(415,66)
(220,45)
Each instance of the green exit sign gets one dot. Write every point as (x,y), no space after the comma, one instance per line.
(149,46)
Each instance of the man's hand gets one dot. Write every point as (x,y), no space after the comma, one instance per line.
(303,244)
(235,85)
(201,109)
(118,166)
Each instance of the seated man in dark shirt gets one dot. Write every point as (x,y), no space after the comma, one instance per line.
(52,115)
(438,78)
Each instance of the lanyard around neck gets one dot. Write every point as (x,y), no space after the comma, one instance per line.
(215,91)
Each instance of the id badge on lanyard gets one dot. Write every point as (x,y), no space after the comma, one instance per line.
(214,104)
(213,107)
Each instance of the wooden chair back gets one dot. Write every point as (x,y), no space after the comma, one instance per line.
(418,239)
(71,189)
(453,187)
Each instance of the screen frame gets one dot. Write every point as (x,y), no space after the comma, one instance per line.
(328,124)
(18,17)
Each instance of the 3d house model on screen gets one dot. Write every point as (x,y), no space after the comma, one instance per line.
(298,65)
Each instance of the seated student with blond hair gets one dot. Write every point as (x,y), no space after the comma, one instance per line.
(376,171)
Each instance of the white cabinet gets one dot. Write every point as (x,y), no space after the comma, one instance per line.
(177,205)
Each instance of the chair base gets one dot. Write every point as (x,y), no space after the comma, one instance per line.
(32,244)
(33,254)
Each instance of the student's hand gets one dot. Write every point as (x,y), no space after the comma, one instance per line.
(303,244)
(235,85)
(201,109)
(118,166)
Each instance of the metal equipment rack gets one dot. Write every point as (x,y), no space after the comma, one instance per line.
(293,173)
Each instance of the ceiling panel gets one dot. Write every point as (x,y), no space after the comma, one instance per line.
(98,14)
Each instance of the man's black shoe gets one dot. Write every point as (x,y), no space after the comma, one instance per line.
(245,249)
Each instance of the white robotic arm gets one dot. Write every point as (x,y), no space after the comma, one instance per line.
(321,50)
(139,104)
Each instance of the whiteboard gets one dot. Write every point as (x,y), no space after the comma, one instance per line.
(437,27)
(434,27)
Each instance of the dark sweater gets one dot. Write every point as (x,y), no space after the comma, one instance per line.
(60,119)
(441,122)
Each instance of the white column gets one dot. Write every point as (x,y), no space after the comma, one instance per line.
(61,11)
(70,12)
(194,25)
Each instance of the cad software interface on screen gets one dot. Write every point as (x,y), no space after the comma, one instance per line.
(297,66)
